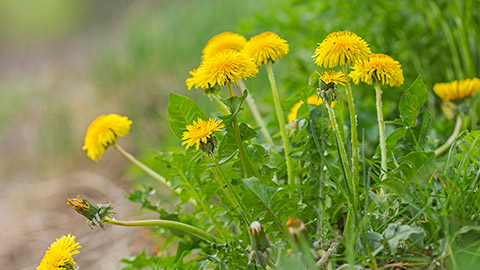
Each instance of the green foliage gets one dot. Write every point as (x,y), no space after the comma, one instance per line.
(423,212)
(412,101)
(182,111)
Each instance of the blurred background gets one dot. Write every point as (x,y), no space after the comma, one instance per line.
(63,63)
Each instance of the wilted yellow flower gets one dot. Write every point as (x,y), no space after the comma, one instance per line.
(333,77)
(381,68)
(59,254)
(223,41)
(312,100)
(200,131)
(103,132)
(341,48)
(224,67)
(457,90)
(266,47)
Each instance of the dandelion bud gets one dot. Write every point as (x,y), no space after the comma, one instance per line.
(260,241)
(297,228)
(95,213)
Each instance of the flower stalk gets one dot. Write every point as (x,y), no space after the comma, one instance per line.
(238,139)
(256,114)
(236,200)
(281,123)
(458,125)
(354,133)
(381,128)
(167,224)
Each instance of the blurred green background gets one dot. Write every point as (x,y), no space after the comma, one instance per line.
(63,63)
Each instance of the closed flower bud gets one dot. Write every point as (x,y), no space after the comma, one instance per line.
(95,213)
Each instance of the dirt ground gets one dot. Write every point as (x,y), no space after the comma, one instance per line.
(45,97)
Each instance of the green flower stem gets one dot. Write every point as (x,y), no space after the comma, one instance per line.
(341,146)
(450,140)
(220,182)
(167,224)
(238,139)
(146,169)
(223,106)
(201,202)
(381,128)
(281,123)
(354,135)
(256,114)
(236,199)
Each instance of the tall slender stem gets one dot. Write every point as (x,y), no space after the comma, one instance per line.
(238,139)
(281,123)
(167,224)
(256,114)
(381,128)
(450,140)
(242,207)
(341,146)
(354,135)
(221,183)
(146,169)
(223,106)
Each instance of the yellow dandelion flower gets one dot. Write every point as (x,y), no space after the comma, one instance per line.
(200,131)
(458,89)
(312,100)
(379,67)
(226,66)
(266,47)
(59,254)
(103,132)
(332,76)
(341,48)
(223,41)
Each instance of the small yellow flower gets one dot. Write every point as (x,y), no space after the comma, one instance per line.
(200,131)
(331,76)
(379,67)
(223,41)
(224,67)
(266,47)
(457,90)
(103,132)
(341,48)
(312,100)
(59,254)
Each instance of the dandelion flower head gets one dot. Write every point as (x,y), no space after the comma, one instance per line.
(312,100)
(266,47)
(224,67)
(379,67)
(333,77)
(223,41)
(340,49)
(59,254)
(200,131)
(457,90)
(103,132)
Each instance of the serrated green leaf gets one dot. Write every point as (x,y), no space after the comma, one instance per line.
(412,101)
(416,165)
(262,192)
(246,132)
(471,145)
(228,145)
(257,153)
(182,111)
(234,105)
(394,234)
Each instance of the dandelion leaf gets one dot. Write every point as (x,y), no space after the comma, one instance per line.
(182,111)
